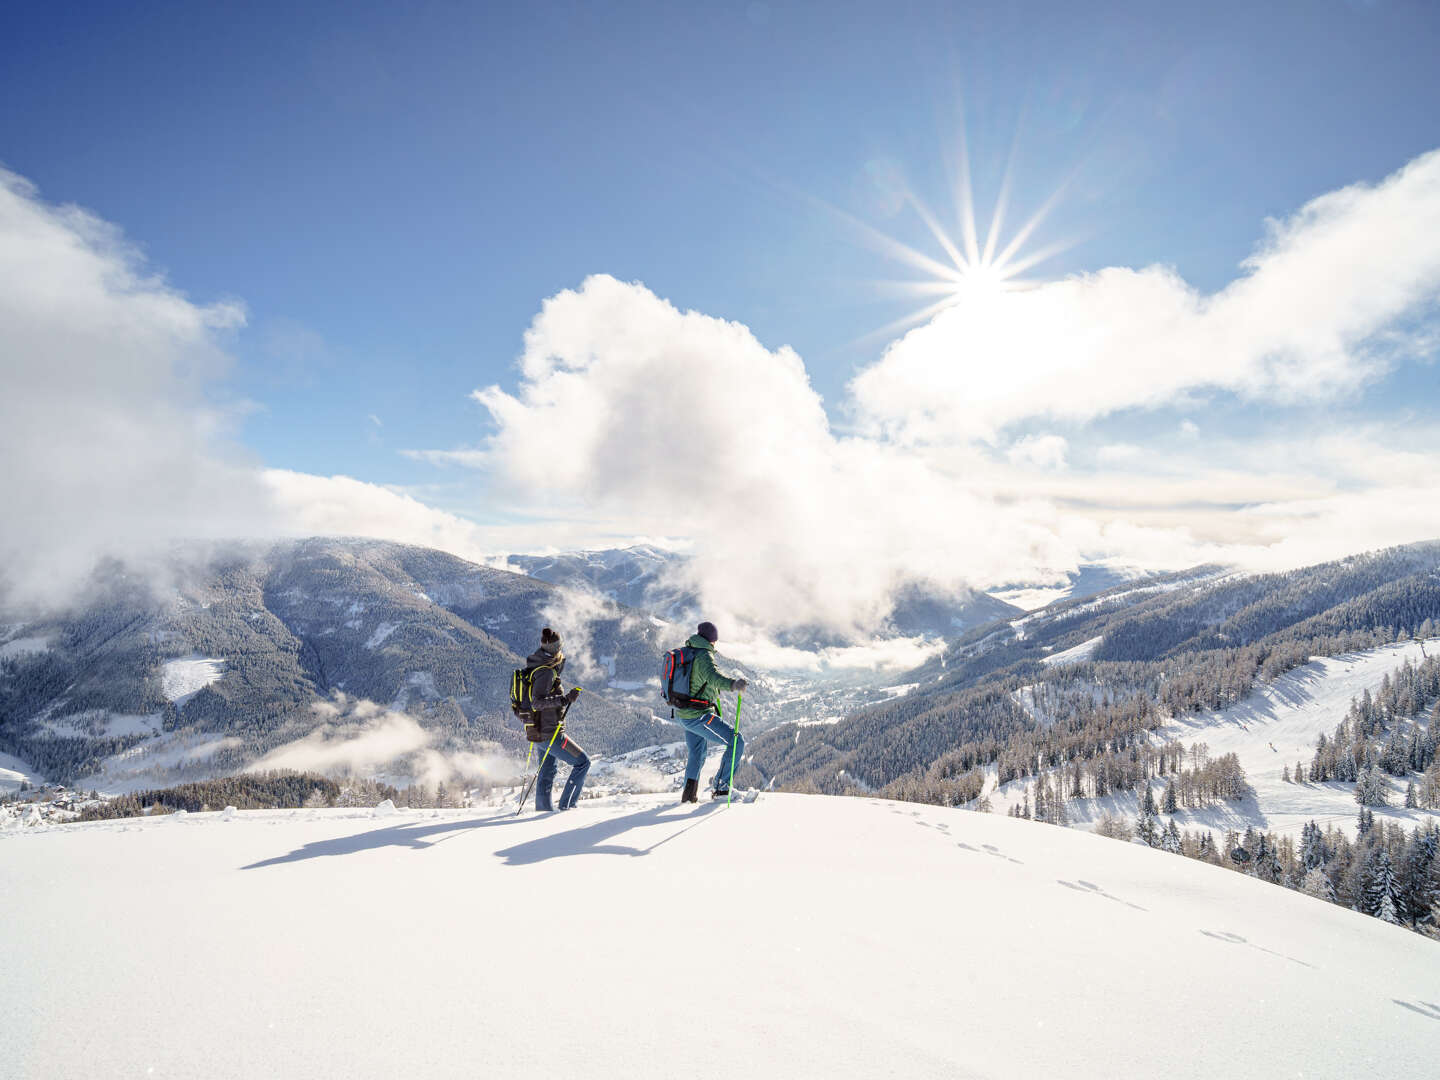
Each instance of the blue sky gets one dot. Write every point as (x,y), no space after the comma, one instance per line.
(393,191)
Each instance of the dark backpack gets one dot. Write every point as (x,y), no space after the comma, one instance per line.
(522,701)
(675,671)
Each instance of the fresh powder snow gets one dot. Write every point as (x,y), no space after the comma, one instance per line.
(799,936)
(182,679)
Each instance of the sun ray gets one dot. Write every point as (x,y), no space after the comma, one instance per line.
(1025,231)
(1041,255)
(965,196)
(936,230)
(907,322)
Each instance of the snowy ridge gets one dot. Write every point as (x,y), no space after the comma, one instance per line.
(1105,951)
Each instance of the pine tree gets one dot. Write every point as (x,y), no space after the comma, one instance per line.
(1411,801)
(1370,789)
(1312,847)
(1170,839)
(1169,804)
(1379,888)
(1146,827)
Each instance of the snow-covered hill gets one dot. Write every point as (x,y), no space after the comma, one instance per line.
(794,937)
(1270,731)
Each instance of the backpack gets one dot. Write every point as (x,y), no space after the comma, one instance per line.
(675,679)
(522,701)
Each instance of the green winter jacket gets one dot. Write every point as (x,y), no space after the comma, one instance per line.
(705,681)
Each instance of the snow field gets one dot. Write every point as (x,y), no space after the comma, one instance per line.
(795,937)
(182,679)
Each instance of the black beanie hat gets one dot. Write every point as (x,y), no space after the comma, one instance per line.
(549,639)
(708,632)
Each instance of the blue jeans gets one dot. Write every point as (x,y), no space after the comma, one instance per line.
(699,733)
(566,750)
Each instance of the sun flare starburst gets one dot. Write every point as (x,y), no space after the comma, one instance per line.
(969,269)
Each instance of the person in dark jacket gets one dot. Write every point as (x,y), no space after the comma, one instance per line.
(551,701)
(704,725)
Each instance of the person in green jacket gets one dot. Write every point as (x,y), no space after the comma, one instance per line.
(703,725)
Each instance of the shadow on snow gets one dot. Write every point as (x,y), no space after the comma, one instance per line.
(591,839)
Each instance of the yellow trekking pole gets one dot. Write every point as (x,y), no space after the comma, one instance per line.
(526,792)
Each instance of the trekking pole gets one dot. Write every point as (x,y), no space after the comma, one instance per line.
(734,746)
(532,779)
(529,753)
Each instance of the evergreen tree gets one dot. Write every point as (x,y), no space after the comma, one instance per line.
(1411,801)
(1147,801)
(1169,803)
(1170,839)
(1370,789)
(1312,848)
(1419,876)
(1379,888)
(1146,827)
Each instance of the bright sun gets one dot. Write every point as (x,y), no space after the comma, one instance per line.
(971,271)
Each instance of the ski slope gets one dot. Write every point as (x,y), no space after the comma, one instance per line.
(1274,727)
(800,936)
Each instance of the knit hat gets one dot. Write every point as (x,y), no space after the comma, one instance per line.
(708,632)
(549,640)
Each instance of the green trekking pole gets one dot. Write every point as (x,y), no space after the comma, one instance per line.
(730,790)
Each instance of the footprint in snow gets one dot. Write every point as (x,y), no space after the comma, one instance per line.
(1424,1008)
(1236,939)
(1095,890)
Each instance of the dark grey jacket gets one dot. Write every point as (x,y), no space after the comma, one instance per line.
(546,692)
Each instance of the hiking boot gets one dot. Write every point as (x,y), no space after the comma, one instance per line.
(719,793)
(691,792)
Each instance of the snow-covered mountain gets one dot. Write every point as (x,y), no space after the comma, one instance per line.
(794,937)
(252,648)
(1144,651)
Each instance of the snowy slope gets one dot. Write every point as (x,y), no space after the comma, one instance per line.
(1275,726)
(182,679)
(14,772)
(795,937)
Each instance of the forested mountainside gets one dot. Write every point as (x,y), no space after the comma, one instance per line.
(1109,669)
(274,629)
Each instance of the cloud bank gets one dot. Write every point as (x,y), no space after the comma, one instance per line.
(362,738)
(686,424)
(1303,322)
(108,444)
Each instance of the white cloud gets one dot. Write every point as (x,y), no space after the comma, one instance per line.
(1297,325)
(681,423)
(108,442)
(1116,453)
(360,737)
(1189,429)
(1039,451)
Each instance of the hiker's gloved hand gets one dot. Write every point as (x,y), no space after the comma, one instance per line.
(572,695)
(740,684)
